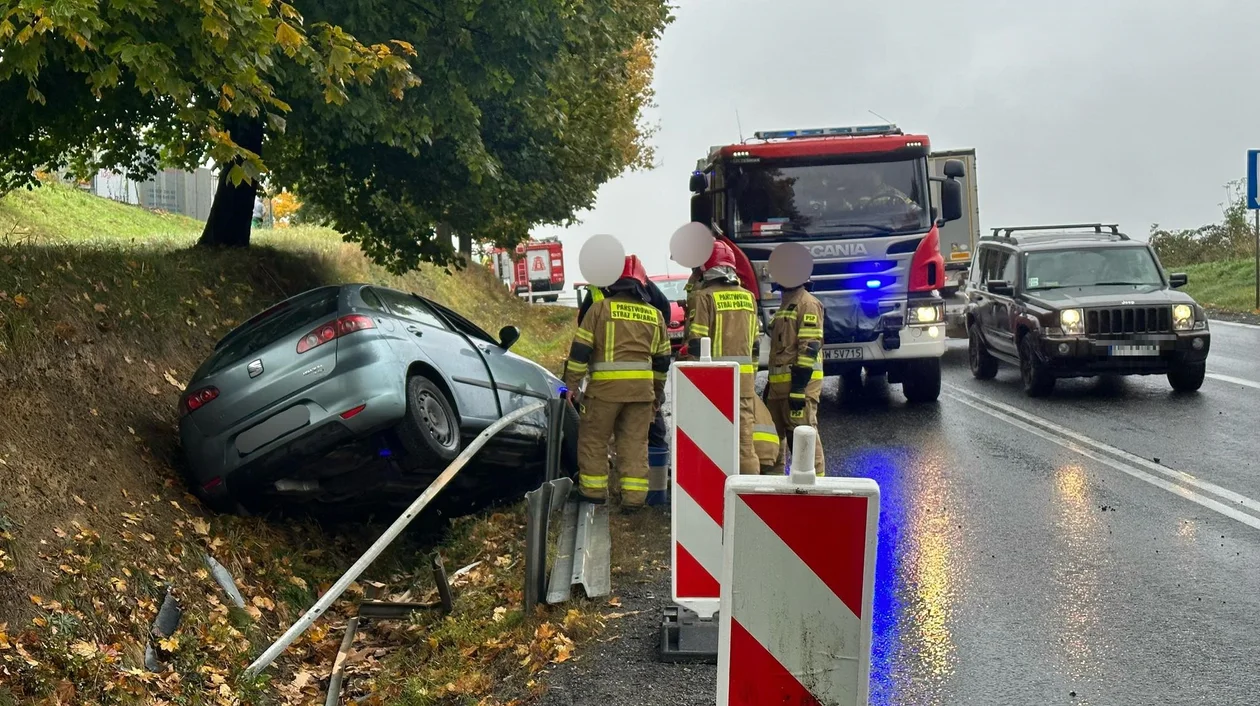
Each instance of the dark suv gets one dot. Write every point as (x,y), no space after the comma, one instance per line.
(1080,301)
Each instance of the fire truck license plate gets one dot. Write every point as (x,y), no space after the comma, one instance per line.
(842,354)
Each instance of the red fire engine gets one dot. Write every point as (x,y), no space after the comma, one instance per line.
(535,268)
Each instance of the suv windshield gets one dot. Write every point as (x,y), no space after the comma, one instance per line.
(828,200)
(1052,269)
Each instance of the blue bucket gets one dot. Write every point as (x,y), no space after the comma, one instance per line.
(658,476)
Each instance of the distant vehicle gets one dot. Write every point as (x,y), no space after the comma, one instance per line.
(674,287)
(353,392)
(861,199)
(536,268)
(958,238)
(1080,301)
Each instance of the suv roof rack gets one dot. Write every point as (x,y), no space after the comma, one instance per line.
(1114,229)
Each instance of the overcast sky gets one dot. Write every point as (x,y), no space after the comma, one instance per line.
(1129,111)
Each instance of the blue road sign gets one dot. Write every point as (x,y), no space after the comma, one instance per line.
(1253,184)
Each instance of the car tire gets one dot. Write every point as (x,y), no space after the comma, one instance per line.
(1038,382)
(429,430)
(1187,377)
(852,381)
(921,380)
(983,365)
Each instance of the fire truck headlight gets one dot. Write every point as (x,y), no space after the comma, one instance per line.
(927,314)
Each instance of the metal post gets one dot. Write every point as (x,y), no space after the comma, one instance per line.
(706,350)
(385,539)
(339,664)
(803,440)
(1257,212)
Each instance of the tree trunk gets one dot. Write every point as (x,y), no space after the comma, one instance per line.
(465,246)
(232,212)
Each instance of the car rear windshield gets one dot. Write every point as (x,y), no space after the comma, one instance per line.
(272,325)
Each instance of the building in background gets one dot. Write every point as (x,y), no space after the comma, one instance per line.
(170,190)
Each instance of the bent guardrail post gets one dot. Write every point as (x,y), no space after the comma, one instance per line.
(385,539)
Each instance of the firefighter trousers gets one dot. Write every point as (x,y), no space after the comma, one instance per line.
(749,464)
(781,411)
(628,422)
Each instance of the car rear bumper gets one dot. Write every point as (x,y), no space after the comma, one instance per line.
(910,343)
(1068,356)
(225,461)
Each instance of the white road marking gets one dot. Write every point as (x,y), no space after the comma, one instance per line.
(1120,454)
(1234,380)
(1234,324)
(1175,489)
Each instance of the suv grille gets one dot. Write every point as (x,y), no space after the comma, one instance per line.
(1129,319)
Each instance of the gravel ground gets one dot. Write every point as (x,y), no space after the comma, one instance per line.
(621,667)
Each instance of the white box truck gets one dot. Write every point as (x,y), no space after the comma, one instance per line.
(958,238)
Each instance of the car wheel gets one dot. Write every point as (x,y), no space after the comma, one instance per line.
(1038,382)
(852,381)
(430,429)
(983,365)
(1187,377)
(921,380)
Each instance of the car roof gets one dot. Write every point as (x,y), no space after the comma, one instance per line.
(1057,237)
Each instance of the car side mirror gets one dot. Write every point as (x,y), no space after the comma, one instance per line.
(1178,279)
(1000,287)
(955,169)
(951,200)
(508,335)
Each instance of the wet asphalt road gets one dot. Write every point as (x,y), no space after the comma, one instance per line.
(1035,552)
(1100,547)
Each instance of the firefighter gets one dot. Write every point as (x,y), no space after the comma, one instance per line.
(726,313)
(623,344)
(765,437)
(795,385)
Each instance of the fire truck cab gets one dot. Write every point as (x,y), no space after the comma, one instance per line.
(860,199)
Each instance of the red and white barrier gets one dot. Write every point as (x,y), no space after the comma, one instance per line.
(705,448)
(797,587)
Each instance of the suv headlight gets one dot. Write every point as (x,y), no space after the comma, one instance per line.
(1072,321)
(1183,317)
(930,314)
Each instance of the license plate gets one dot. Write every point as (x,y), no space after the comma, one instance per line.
(1134,350)
(842,354)
(675,335)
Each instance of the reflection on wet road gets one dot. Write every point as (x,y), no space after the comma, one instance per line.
(1015,569)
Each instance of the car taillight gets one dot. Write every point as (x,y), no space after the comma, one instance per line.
(197,399)
(927,267)
(333,330)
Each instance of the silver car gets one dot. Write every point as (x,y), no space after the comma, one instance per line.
(361,393)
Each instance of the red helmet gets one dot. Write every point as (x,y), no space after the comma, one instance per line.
(722,256)
(634,270)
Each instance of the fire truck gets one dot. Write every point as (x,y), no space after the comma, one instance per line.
(535,269)
(866,203)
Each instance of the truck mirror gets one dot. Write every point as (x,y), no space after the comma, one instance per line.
(951,200)
(698,183)
(701,209)
(955,169)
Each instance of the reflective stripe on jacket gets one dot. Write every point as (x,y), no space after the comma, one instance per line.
(623,345)
(727,315)
(796,336)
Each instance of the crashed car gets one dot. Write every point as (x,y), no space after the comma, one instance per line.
(356,393)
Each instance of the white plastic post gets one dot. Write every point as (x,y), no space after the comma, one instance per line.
(803,440)
(706,350)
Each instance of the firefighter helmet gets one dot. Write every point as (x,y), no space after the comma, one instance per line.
(722,256)
(634,270)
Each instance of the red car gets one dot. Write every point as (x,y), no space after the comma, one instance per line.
(675,289)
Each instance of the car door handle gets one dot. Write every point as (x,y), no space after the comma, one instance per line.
(416,330)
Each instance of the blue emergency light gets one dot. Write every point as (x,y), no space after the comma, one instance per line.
(829,132)
(873,284)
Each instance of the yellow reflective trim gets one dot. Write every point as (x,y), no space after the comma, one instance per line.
(610,339)
(656,339)
(630,311)
(622,375)
(733,301)
(585,336)
(809,319)
(717,337)
(593,482)
(633,484)
(660,376)
(596,294)
(805,362)
(766,437)
(747,369)
(797,395)
(577,367)
(698,330)
(781,377)
(786,314)
(818,375)
(809,332)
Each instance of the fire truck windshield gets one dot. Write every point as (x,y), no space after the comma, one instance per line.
(828,200)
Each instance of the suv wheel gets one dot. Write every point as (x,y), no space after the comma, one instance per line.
(1038,382)
(430,429)
(983,365)
(921,380)
(1187,377)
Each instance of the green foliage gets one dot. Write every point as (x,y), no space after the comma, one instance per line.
(129,83)
(525,110)
(1227,285)
(1234,237)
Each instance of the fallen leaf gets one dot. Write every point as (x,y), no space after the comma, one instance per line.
(169,376)
(169,644)
(301,679)
(298,581)
(83,649)
(79,500)
(264,603)
(60,532)
(100,308)
(253,612)
(201,527)
(118,584)
(499,614)
(20,300)
(615,602)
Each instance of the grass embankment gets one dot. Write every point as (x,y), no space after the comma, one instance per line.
(104,313)
(1228,286)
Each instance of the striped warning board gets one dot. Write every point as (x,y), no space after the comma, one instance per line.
(705,398)
(797,589)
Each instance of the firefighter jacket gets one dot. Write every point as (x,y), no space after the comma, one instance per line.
(765,435)
(622,343)
(727,315)
(796,337)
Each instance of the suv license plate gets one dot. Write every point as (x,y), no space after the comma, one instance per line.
(842,354)
(1134,350)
